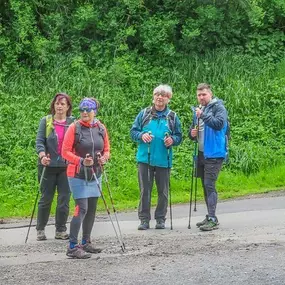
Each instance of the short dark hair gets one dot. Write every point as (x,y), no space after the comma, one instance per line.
(202,86)
(60,96)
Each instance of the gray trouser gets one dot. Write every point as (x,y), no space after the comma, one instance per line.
(55,178)
(84,214)
(146,175)
(208,170)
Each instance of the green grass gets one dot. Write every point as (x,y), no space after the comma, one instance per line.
(253,91)
(229,185)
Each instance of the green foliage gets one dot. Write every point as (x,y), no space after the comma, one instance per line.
(251,88)
(157,34)
(118,51)
(34,32)
(270,46)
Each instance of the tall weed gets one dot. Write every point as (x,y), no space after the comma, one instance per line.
(252,89)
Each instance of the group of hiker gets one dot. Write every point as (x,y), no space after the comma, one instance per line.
(72,154)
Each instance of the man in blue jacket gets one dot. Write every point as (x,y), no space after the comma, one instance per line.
(156,129)
(209,128)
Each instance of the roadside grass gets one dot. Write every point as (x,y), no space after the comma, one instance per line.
(229,185)
(250,87)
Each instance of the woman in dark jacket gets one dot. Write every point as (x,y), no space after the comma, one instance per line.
(49,141)
(85,147)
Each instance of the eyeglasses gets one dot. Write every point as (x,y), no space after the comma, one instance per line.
(88,110)
(163,95)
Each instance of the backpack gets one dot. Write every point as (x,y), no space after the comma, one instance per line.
(149,113)
(49,123)
(228,131)
(78,133)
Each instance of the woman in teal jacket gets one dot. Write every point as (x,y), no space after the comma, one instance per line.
(156,129)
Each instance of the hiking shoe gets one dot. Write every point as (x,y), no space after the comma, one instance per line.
(144,225)
(77,252)
(88,247)
(61,235)
(160,224)
(199,224)
(41,235)
(210,225)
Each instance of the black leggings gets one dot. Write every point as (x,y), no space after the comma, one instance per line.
(85,209)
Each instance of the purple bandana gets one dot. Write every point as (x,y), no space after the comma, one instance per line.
(88,104)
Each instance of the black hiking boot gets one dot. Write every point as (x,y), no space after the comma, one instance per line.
(144,225)
(202,223)
(199,224)
(210,225)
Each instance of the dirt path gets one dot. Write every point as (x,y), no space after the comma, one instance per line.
(249,248)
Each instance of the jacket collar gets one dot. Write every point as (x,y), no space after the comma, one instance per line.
(94,124)
(159,114)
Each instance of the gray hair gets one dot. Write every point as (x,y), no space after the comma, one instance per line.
(163,88)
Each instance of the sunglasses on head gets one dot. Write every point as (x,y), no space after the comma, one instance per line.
(82,110)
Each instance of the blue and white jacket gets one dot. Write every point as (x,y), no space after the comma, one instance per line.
(215,120)
(156,153)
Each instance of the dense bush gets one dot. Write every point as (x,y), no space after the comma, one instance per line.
(34,32)
(252,90)
(119,51)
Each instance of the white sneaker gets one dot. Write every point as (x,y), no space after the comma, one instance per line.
(41,235)
(61,235)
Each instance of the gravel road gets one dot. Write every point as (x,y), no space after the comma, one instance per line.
(248,248)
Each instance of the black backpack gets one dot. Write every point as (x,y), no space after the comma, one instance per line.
(149,114)
(78,133)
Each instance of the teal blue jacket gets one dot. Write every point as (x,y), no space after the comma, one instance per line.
(156,153)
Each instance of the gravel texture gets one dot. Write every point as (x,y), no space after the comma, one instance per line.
(249,248)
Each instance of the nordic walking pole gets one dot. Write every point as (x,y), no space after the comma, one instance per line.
(34,208)
(148,159)
(148,169)
(194,173)
(192,179)
(196,163)
(112,201)
(169,188)
(108,211)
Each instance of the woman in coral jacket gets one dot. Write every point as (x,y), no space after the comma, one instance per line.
(85,146)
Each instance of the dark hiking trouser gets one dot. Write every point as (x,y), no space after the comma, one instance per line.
(85,209)
(208,170)
(55,178)
(146,175)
